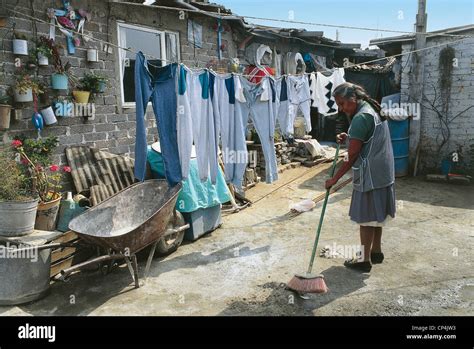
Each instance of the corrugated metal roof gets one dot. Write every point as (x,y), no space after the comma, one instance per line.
(108,173)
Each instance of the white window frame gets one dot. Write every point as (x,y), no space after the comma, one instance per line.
(121,24)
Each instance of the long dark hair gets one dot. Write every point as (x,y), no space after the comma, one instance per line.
(349,90)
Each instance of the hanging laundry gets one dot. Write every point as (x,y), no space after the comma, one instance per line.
(258,102)
(299,97)
(160,87)
(231,128)
(281,88)
(259,57)
(294,63)
(184,123)
(322,88)
(277,63)
(204,126)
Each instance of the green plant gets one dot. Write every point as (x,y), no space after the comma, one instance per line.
(43,46)
(24,82)
(38,150)
(19,36)
(91,82)
(15,185)
(45,179)
(5,99)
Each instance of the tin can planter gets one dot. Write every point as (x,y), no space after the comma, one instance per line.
(48,116)
(102,86)
(5,116)
(92,55)
(47,214)
(81,96)
(23,97)
(17,218)
(20,47)
(43,61)
(59,82)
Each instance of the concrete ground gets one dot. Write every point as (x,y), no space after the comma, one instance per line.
(242,268)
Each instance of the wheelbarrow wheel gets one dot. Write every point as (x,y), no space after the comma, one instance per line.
(170,242)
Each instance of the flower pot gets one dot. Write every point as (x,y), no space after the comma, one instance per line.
(23,96)
(42,60)
(5,116)
(47,214)
(48,116)
(102,86)
(59,82)
(81,96)
(17,217)
(92,55)
(20,47)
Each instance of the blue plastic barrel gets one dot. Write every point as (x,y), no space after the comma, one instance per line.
(400,135)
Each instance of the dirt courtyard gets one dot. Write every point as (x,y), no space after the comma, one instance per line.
(242,268)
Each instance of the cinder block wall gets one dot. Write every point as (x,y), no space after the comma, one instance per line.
(114,126)
(461,97)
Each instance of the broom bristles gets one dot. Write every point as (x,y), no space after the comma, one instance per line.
(305,285)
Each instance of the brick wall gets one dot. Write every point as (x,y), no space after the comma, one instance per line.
(461,97)
(113,128)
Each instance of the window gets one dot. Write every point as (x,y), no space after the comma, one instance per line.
(163,46)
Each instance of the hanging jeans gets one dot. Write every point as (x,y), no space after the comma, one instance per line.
(258,103)
(205,128)
(232,129)
(299,96)
(282,107)
(161,89)
(184,122)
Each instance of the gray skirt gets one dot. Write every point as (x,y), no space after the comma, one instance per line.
(373,206)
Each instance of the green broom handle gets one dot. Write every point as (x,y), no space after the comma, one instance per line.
(322,213)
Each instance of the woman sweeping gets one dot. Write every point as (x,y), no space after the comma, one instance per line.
(371,158)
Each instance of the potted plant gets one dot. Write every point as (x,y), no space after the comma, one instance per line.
(20,44)
(82,92)
(43,51)
(5,109)
(45,178)
(59,79)
(93,83)
(18,205)
(25,87)
(48,115)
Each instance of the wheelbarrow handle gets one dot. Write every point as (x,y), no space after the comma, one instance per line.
(65,272)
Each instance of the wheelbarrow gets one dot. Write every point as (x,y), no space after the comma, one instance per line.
(127,222)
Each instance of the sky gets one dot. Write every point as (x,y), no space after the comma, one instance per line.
(377,14)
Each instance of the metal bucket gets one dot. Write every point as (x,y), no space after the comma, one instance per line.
(24,276)
(17,218)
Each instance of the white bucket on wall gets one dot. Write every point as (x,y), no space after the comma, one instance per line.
(20,47)
(92,55)
(42,60)
(48,116)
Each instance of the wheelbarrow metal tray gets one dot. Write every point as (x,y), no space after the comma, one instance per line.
(130,220)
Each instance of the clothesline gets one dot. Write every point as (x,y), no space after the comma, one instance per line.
(165,60)
(224,15)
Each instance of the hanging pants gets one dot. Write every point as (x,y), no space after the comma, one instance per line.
(299,96)
(231,128)
(259,102)
(161,89)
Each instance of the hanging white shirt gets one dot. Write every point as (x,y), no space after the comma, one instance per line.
(322,88)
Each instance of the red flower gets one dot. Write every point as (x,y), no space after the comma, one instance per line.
(54,168)
(17,143)
(66,169)
(24,161)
